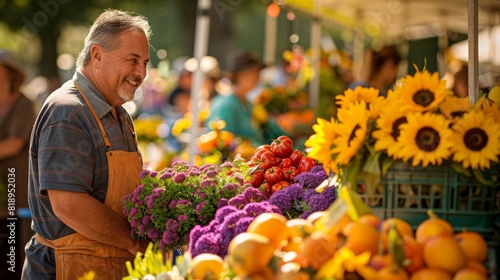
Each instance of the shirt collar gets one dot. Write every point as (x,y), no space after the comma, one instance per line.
(95,97)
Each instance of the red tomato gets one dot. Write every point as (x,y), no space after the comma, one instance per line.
(267,160)
(289,173)
(273,175)
(258,154)
(280,185)
(277,161)
(282,147)
(256,178)
(269,189)
(306,164)
(263,147)
(295,156)
(285,163)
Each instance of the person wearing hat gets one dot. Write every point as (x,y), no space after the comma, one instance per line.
(17,115)
(243,70)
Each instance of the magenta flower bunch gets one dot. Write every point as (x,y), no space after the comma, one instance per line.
(229,221)
(301,199)
(169,203)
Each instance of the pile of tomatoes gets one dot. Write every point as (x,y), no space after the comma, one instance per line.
(274,166)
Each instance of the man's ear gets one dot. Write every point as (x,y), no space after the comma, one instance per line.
(96,55)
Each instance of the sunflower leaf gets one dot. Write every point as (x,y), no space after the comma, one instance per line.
(386,164)
(458,167)
(481,178)
(371,174)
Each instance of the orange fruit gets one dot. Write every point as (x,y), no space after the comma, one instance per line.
(270,225)
(317,249)
(380,261)
(403,227)
(299,227)
(249,253)
(370,219)
(430,274)
(361,237)
(469,274)
(477,266)
(443,252)
(473,245)
(389,273)
(414,252)
(206,266)
(433,226)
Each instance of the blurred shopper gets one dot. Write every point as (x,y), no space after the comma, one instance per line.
(84,158)
(17,115)
(383,69)
(243,70)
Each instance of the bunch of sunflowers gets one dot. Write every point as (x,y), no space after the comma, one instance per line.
(420,122)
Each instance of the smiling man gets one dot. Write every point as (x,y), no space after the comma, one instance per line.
(84,158)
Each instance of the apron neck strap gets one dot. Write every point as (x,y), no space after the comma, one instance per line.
(101,128)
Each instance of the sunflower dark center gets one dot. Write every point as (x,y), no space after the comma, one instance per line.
(395,127)
(475,139)
(353,134)
(457,114)
(423,97)
(428,139)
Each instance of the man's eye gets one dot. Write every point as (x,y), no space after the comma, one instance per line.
(133,60)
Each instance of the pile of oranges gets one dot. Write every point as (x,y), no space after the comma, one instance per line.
(369,248)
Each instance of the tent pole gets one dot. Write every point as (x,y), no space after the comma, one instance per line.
(315,57)
(270,39)
(200,50)
(473,68)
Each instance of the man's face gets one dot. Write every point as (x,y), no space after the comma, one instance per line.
(122,70)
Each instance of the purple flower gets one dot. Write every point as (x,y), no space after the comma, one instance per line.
(179,164)
(306,214)
(223,212)
(239,179)
(207,243)
(172,204)
(153,174)
(133,223)
(208,166)
(180,177)
(311,179)
(168,238)
(184,202)
(254,209)
(226,164)
(142,229)
(152,233)
(143,174)
(308,194)
(319,202)
(193,172)
(146,220)
(133,212)
(207,183)
(222,202)
(172,225)
(231,219)
(230,187)
(195,233)
(166,175)
(282,200)
(182,217)
(238,201)
(242,224)
(212,173)
(212,226)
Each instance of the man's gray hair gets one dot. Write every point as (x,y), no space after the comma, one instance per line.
(106,27)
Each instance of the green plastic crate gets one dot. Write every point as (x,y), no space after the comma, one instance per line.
(409,192)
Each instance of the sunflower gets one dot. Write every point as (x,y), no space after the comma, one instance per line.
(454,107)
(352,129)
(319,146)
(476,140)
(369,95)
(489,108)
(425,137)
(422,92)
(388,127)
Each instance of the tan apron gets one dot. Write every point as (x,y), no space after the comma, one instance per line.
(76,254)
